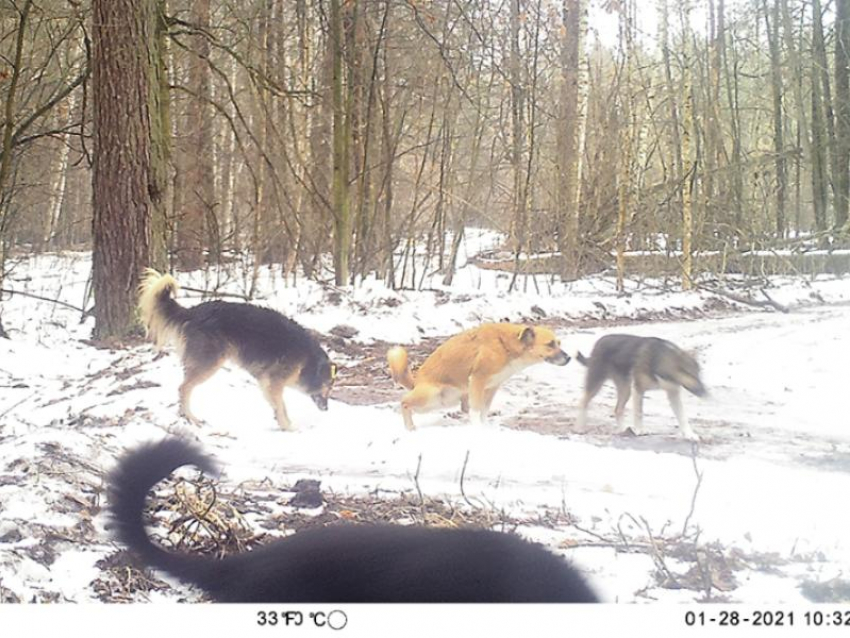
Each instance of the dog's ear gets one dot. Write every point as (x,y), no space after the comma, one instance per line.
(527,336)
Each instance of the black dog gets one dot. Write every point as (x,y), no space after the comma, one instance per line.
(346,563)
(276,350)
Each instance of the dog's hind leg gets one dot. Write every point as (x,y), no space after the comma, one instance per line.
(425,397)
(592,384)
(675,398)
(273,391)
(422,398)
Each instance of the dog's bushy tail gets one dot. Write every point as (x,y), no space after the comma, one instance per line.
(582,359)
(399,368)
(137,472)
(160,314)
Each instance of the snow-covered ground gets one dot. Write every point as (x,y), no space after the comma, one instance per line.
(767,524)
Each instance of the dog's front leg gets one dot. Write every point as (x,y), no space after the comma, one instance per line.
(273,390)
(186,413)
(282,417)
(675,398)
(637,404)
(488,399)
(624,390)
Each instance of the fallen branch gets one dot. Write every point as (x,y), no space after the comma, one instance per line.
(422,511)
(773,303)
(207,293)
(656,554)
(462,476)
(769,303)
(40,298)
(15,405)
(695,492)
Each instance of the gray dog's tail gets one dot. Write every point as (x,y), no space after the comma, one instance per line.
(137,472)
(582,359)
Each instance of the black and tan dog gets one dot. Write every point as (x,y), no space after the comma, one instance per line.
(470,367)
(345,563)
(276,350)
(646,363)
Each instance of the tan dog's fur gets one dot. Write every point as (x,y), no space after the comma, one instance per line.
(470,367)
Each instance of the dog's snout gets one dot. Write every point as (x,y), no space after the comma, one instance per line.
(559,359)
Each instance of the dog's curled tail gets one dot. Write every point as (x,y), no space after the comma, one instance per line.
(582,359)
(399,368)
(137,472)
(160,314)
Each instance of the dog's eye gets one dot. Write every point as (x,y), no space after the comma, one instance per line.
(553,344)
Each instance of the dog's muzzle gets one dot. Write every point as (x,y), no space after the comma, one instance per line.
(698,390)
(560,359)
(320,401)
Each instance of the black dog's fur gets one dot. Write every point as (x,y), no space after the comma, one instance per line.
(276,350)
(345,563)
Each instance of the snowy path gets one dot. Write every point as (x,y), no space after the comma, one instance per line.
(775,457)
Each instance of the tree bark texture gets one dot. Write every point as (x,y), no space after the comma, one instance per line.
(842,112)
(122,36)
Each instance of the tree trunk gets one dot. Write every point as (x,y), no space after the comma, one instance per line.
(842,112)
(570,134)
(124,33)
(8,129)
(820,188)
(675,142)
(341,153)
(778,137)
(731,73)
(821,61)
(159,104)
(193,219)
(688,164)
(59,173)
(797,84)
(624,156)
(518,140)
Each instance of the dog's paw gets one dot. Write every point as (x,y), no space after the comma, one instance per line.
(193,420)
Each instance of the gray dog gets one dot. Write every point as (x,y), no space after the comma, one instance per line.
(646,363)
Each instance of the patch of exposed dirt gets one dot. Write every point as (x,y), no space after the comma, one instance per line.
(366,380)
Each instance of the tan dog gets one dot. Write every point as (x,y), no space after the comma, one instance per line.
(470,367)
